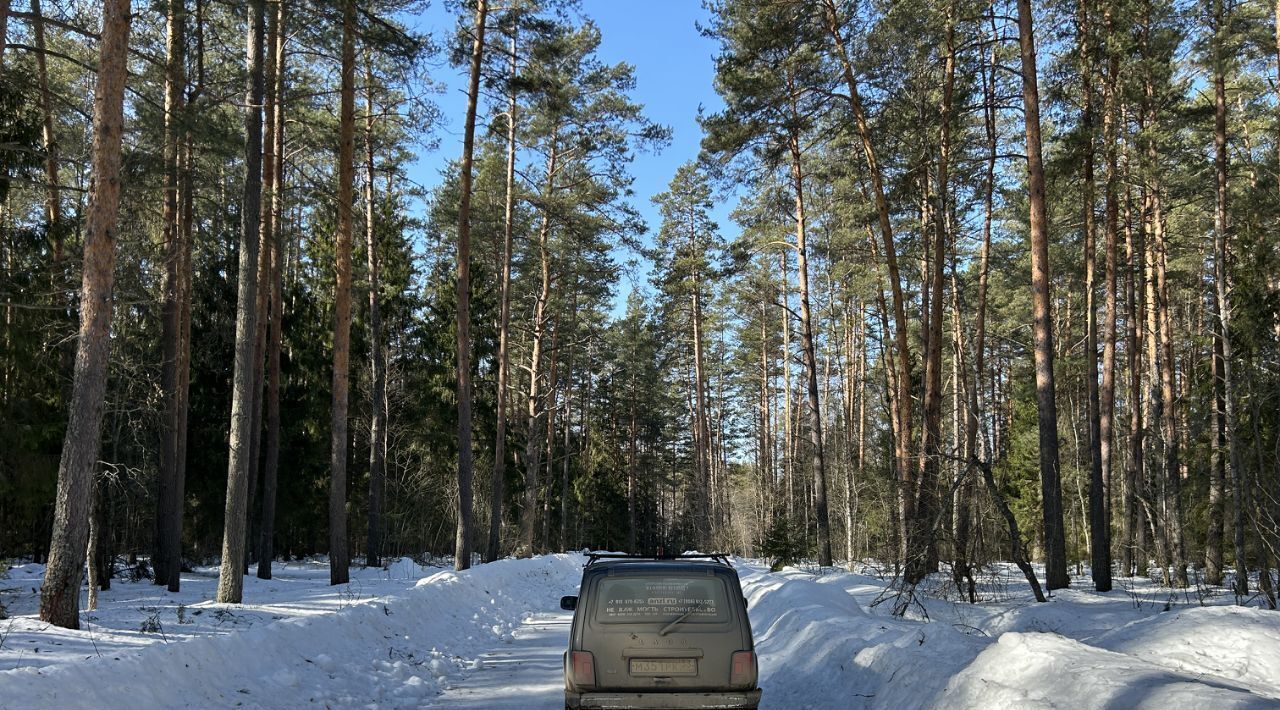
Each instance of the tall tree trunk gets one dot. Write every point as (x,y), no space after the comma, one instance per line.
(921,559)
(265,239)
(632,473)
(276,35)
(1213,567)
(788,463)
(1135,337)
(1171,485)
(1101,517)
(974,456)
(60,592)
(239,466)
(707,524)
(902,411)
(534,410)
(1222,291)
(462,545)
(504,324)
(1160,350)
(1042,300)
(1098,544)
(53,199)
(339,555)
(167,560)
(553,387)
(186,281)
(810,361)
(377,366)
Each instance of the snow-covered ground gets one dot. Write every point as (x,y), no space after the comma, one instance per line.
(491,637)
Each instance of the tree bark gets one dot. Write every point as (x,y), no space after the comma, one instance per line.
(810,362)
(788,448)
(1134,346)
(186,206)
(265,239)
(276,35)
(631,469)
(60,592)
(1100,562)
(902,411)
(377,367)
(167,562)
(1213,566)
(339,559)
(976,401)
(1042,300)
(1222,292)
(533,442)
(921,559)
(462,547)
(230,578)
(708,524)
(499,480)
(53,199)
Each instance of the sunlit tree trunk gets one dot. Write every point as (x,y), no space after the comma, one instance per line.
(239,466)
(462,544)
(788,464)
(816,442)
(60,592)
(922,559)
(1101,517)
(534,409)
(1098,538)
(902,379)
(377,365)
(339,555)
(504,324)
(708,523)
(1050,481)
(1222,292)
(975,457)
(276,35)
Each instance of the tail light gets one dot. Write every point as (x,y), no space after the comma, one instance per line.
(743,673)
(584,668)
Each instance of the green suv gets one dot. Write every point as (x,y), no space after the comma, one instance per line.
(652,632)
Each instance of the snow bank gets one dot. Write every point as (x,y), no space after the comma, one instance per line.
(1049,671)
(1237,645)
(819,648)
(392,651)
(822,645)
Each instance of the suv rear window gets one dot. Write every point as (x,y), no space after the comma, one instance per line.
(661,599)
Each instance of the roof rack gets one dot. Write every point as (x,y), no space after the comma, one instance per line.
(594,557)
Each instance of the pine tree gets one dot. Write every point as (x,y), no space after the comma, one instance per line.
(60,593)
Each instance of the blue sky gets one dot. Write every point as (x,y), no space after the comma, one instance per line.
(674,70)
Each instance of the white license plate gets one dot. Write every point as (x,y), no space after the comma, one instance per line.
(673,666)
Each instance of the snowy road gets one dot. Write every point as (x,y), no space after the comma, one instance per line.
(526,673)
(492,637)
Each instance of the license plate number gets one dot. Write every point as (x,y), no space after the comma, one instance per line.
(674,666)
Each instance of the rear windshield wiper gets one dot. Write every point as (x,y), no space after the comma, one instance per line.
(680,618)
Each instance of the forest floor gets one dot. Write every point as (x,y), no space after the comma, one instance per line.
(492,637)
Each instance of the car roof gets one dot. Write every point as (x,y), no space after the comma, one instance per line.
(659,566)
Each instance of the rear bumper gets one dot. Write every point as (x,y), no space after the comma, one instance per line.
(749,699)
